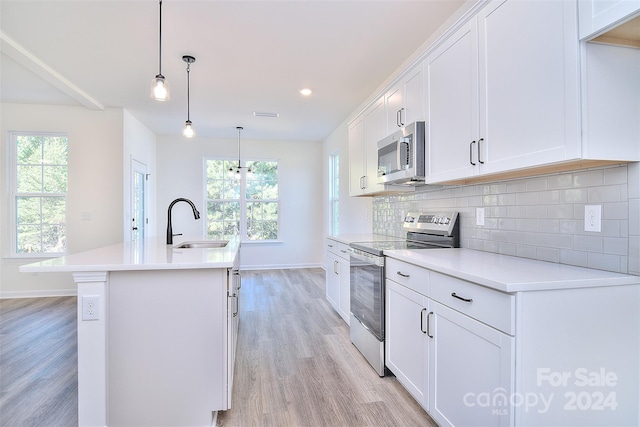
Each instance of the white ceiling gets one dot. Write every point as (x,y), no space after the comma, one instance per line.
(250,56)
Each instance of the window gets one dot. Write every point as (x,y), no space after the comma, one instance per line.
(334,192)
(242,204)
(38,193)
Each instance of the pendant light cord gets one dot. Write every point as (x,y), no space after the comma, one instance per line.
(239,129)
(188,90)
(160,43)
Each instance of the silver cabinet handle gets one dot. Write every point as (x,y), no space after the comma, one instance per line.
(400,273)
(398,114)
(471,153)
(479,159)
(401,121)
(422,320)
(335,264)
(453,294)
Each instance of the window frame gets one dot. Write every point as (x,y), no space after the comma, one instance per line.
(243,201)
(334,193)
(12,181)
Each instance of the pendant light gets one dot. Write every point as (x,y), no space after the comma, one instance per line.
(160,85)
(188,126)
(234,172)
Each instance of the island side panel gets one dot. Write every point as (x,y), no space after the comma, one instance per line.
(92,350)
(167,346)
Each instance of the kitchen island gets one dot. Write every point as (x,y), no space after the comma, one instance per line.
(157,328)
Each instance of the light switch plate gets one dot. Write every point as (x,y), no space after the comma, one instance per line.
(593,218)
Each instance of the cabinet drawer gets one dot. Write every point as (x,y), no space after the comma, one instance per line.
(492,307)
(413,277)
(337,248)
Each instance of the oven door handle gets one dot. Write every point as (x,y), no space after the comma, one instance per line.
(369,259)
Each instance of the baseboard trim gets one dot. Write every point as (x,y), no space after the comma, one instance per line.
(279,266)
(39,293)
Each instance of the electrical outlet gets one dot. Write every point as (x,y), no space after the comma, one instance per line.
(593,218)
(480,216)
(91,307)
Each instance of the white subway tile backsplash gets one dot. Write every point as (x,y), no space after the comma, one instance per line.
(615,175)
(540,217)
(588,178)
(615,210)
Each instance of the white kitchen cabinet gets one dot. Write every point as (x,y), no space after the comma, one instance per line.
(561,351)
(469,360)
(502,94)
(406,347)
(234,283)
(442,356)
(600,15)
(404,101)
(364,133)
(337,277)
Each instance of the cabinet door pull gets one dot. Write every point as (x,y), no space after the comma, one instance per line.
(471,153)
(400,273)
(479,148)
(453,294)
(401,122)
(335,264)
(398,118)
(343,251)
(429,324)
(422,320)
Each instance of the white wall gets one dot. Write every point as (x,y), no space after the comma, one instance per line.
(95,187)
(355,212)
(180,174)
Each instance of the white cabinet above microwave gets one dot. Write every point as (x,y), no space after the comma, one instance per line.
(598,16)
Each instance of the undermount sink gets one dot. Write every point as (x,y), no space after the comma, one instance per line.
(204,244)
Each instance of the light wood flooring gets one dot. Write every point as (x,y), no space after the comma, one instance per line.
(38,362)
(295,363)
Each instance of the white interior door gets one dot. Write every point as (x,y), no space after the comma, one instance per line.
(139,196)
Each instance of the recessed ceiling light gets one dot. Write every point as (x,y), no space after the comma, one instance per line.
(265,114)
(306,91)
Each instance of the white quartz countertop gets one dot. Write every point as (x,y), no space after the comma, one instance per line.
(147,254)
(361,237)
(508,273)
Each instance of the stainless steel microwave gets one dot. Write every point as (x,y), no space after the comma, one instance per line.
(401,156)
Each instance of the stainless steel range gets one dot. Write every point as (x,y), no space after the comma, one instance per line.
(424,231)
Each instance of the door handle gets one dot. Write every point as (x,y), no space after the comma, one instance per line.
(422,320)
(400,273)
(453,294)
(479,149)
(429,324)
(471,153)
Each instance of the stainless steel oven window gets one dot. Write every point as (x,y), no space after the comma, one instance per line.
(367,295)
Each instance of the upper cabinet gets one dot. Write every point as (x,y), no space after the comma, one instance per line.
(511,90)
(404,101)
(364,133)
(502,94)
(597,16)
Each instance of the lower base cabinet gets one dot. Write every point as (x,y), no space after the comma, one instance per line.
(475,356)
(337,277)
(471,371)
(449,362)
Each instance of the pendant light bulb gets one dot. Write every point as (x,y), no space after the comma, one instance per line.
(160,88)
(160,85)
(188,131)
